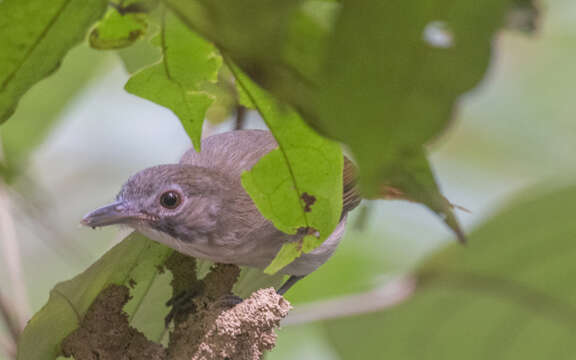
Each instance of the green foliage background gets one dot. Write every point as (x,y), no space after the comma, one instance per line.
(508,294)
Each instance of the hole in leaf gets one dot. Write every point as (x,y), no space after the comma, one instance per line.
(438,34)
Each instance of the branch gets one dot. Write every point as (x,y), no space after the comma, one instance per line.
(391,294)
(12,257)
(240,117)
(8,347)
(7,313)
(207,325)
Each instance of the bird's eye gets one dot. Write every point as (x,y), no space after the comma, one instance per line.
(170,199)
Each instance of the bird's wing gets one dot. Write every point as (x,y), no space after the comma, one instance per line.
(351,196)
(236,151)
(232,152)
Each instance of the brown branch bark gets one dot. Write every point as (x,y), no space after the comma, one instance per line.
(209,327)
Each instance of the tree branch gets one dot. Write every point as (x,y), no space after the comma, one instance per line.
(7,313)
(207,325)
(8,347)
(390,295)
(240,117)
(12,257)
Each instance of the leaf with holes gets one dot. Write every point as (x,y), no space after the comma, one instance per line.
(177,82)
(34,37)
(383,77)
(508,295)
(298,186)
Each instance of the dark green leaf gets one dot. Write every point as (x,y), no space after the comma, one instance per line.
(276,43)
(134,263)
(34,37)
(383,78)
(117,30)
(505,296)
(394,71)
(299,185)
(417,182)
(177,82)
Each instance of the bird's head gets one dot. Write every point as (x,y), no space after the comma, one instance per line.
(182,201)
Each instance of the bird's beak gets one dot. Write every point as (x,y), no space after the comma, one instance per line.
(114,213)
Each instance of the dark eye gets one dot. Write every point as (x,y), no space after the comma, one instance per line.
(170,199)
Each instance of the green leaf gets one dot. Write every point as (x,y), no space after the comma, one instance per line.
(276,43)
(506,296)
(139,55)
(383,78)
(414,177)
(134,263)
(394,71)
(34,37)
(177,82)
(258,33)
(297,186)
(117,30)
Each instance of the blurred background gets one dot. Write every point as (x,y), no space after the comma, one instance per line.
(77,136)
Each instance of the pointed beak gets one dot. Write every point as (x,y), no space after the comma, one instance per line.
(114,213)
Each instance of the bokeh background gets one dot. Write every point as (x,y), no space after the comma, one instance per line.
(77,136)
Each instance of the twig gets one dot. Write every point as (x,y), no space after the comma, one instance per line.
(7,313)
(11,255)
(392,294)
(240,117)
(69,251)
(8,347)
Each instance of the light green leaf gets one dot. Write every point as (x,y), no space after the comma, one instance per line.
(139,55)
(34,37)
(177,82)
(276,43)
(505,296)
(134,263)
(117,30)
(297,186)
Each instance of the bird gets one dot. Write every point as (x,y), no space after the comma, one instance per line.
(199,207)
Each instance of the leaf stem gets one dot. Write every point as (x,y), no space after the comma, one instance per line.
(234,71)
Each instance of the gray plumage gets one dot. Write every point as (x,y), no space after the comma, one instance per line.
(216,219)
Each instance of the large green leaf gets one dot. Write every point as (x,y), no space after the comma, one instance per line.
(297,186)
(34,37)
(394,71)
(134,263)
(384,77)
(508,295)
(178,81)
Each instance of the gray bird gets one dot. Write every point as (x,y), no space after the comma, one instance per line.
(199,207)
